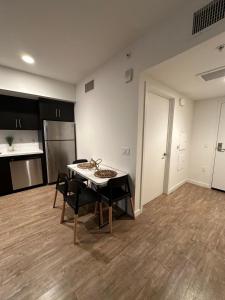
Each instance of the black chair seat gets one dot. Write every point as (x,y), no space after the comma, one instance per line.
(116,193)
(85,197)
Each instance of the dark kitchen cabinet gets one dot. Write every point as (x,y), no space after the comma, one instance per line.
(5,175)
(17,113)
(56,110)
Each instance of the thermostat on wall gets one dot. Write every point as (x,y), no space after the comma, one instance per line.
(181,101)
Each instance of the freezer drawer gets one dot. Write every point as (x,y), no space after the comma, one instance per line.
(26,173)
(59,154)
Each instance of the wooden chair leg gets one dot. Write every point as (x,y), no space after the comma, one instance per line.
(63,212)
(132,206)
(110,219)
(56,192)
(100,213)
(75,229)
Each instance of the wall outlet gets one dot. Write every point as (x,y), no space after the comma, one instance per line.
(126,151)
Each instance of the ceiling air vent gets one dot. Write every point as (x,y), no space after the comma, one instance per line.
(208,15)
(89,86)
(213,74)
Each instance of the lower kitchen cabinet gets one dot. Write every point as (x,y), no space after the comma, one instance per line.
(20,173)
(5,177)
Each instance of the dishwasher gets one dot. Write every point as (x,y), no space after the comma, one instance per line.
(26,173)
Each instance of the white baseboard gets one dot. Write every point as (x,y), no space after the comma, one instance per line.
(175,187)
(199,183)
(137,212)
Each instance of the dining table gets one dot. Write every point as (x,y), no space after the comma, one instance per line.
(89,174)
(98,182)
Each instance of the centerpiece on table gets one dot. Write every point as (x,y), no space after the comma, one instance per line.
(9,140)
(91,164)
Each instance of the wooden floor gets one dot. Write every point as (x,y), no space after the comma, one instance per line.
(174,250)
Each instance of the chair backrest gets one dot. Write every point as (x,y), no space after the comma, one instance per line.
(62,180)
(79,161)
(76,186)
(119,182)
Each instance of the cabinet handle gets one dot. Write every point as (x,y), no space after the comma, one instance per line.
(20,123)
(16,123)
(59,113)
(56,113)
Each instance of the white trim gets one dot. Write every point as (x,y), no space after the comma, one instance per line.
(199,183)
(220,103)
(140,144)
(169,144)
(139,156)
(176,186)
(137,212)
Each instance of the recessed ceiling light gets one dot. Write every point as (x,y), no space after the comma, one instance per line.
(28,59)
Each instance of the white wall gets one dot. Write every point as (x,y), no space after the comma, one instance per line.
(204,135)
(22,82)
(107,118)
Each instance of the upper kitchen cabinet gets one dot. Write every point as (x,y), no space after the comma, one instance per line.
(18,113)
(56,110)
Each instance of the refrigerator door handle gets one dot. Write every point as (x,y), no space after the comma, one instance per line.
(45,130)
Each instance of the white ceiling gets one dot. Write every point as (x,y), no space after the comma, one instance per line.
(180,72)
(71,38)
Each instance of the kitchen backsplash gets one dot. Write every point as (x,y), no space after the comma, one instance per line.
(23,140)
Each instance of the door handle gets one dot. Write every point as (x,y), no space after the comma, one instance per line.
(220,147)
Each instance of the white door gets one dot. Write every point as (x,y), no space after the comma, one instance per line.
(218,181)
(155,145)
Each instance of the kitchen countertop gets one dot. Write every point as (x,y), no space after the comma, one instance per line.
(20,153)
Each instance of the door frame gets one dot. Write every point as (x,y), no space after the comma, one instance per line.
(220,102)
(145,88)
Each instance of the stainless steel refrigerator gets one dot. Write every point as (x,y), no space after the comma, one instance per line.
(60,147)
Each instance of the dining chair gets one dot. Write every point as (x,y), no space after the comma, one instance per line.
(78,176)
(78,195)
(117,189)
(61,185)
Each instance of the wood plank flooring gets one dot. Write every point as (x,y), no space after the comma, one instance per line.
(175,250)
